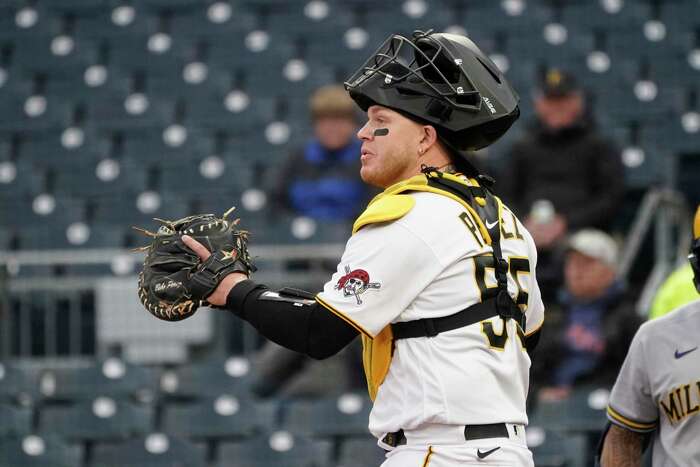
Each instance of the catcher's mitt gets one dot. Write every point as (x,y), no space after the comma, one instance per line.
(174,282)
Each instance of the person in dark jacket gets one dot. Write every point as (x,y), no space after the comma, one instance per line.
(563,175)
(320,180)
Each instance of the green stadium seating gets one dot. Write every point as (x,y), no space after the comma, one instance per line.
(345,415)
(210,377)
(553,449)
(35,451)
(102,419)
(275,449)
(221,417)
(360,452)
(111,378)
(154,450)
(14,421)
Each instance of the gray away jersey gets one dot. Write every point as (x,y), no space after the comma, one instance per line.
(658,387)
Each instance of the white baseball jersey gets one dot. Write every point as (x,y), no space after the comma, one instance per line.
(658,387)
(432,263)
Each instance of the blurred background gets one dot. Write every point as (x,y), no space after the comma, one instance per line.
(114,112)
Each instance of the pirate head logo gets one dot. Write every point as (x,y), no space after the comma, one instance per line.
(355,283)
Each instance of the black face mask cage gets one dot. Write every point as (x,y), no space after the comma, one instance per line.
(405,64)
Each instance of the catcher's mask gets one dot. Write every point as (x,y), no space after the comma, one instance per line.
(694,256)
(439,79)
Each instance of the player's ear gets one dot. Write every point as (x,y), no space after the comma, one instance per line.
(428,138)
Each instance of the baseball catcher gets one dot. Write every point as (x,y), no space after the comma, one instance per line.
(174,283)
(438,277)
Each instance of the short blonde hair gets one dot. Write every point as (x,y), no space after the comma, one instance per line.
(332,101)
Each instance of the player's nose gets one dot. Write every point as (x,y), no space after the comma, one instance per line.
(364,133)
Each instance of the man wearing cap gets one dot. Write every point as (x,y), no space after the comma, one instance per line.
(321,179)
(657,393)
(595,322)
(562,175)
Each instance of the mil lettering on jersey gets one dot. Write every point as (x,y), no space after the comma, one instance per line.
(355,283)
(681,402)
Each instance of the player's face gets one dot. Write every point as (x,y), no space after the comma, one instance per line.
(390,154)
(586,278)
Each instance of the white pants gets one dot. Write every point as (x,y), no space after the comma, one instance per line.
(444,446)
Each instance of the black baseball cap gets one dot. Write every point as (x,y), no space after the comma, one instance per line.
(558,83)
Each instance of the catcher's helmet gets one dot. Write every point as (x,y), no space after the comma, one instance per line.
(443,80)
(694,256)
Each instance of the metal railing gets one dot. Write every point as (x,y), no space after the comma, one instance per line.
(667,212)
(55,316)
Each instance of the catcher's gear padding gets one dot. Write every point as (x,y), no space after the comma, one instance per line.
(174,282)
(441,79)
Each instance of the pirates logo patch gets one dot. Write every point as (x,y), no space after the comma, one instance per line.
(355,283)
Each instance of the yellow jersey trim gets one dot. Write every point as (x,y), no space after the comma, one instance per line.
(385,209)
(631,424)
(419,183)
(342,316)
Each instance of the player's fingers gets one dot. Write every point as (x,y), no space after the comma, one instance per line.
(199,249)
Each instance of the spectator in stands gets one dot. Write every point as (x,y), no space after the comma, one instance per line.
(562,175)
(321,180)
(589,332)
(677,290)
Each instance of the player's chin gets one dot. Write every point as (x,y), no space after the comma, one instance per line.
(370,175)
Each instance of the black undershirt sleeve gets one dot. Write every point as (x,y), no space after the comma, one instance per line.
(531,341)
(309,329)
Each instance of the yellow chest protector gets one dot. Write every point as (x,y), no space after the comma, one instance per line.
(391,205)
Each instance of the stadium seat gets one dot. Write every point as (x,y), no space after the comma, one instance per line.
(108,112)
(109,378)
(583,411)
(36,56)
(15,117)
(234,52)
(123,210)
(275,449)
(101,419)
(28,181)
(186,179)
(552,449)
(18,385)
(224,416)
(360,452)
(211,113)
(23,211)
(37,451)
(211,377)
(15,420)
(131,55)
(345,415)
(195,24)
(152,450)
(101,24)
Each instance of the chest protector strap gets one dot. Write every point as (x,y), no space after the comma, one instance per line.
(486,209)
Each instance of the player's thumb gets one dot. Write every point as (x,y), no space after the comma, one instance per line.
(197,247)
